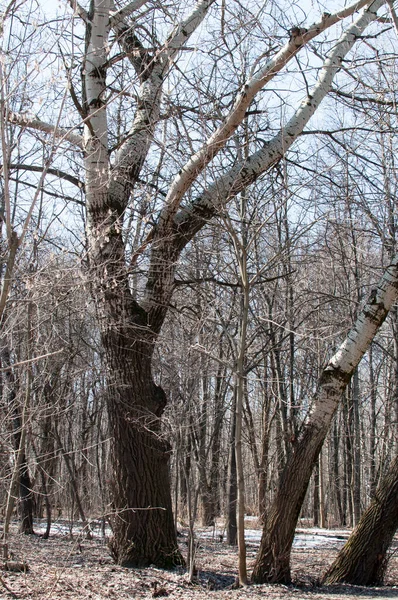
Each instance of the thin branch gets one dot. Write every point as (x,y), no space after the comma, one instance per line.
(31,360)
(5,14)
(51,194)
(24,120)
(56,172)
(355,98)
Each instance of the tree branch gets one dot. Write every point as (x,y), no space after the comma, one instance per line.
(59,133)
(56,172)
(131,156)
(188,174)
(354,97)
(79,10)
(119,16)
(168,242)
(51,194)
(393,15)
(192,217)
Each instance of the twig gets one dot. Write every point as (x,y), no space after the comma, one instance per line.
(9,590)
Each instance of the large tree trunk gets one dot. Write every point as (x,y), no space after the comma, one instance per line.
(273,559)
(362,560)
(142,520)
(142,517)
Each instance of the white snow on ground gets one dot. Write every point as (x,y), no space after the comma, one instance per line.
(309,538)
(66,528)
(304,538)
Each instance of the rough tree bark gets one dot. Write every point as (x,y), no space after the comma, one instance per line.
(362,560)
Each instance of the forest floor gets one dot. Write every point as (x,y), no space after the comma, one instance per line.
(70,567)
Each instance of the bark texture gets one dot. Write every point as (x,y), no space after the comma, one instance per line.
(363,559)
(142,519)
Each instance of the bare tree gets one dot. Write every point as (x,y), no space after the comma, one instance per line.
(132,284)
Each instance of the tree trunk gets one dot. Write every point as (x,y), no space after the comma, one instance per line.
(336,475)
(362,560)
(316,503)
(322,503)
(373,424)
(356,467)
(142,516)
(265,441)
(273,559)
(24,484)
(25,499)
(232,499)
(348,461)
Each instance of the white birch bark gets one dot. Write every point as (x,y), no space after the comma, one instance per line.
(197,163)
(169,238)
(247,171)
(96,130)
(358,341)
(133,152)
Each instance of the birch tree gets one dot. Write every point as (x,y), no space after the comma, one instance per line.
(273,558)
(131,317)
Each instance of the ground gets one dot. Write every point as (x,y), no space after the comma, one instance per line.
(70,567)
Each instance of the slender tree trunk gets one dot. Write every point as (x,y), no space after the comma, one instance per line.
(185,470)
(240,249)
(219,400)
(373,424)
(263,467)
(356,487)
(206,492)
(336,474)
(273,559)
(362,560)
(322,503)
(348,461)
(232,525)
(316,503)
